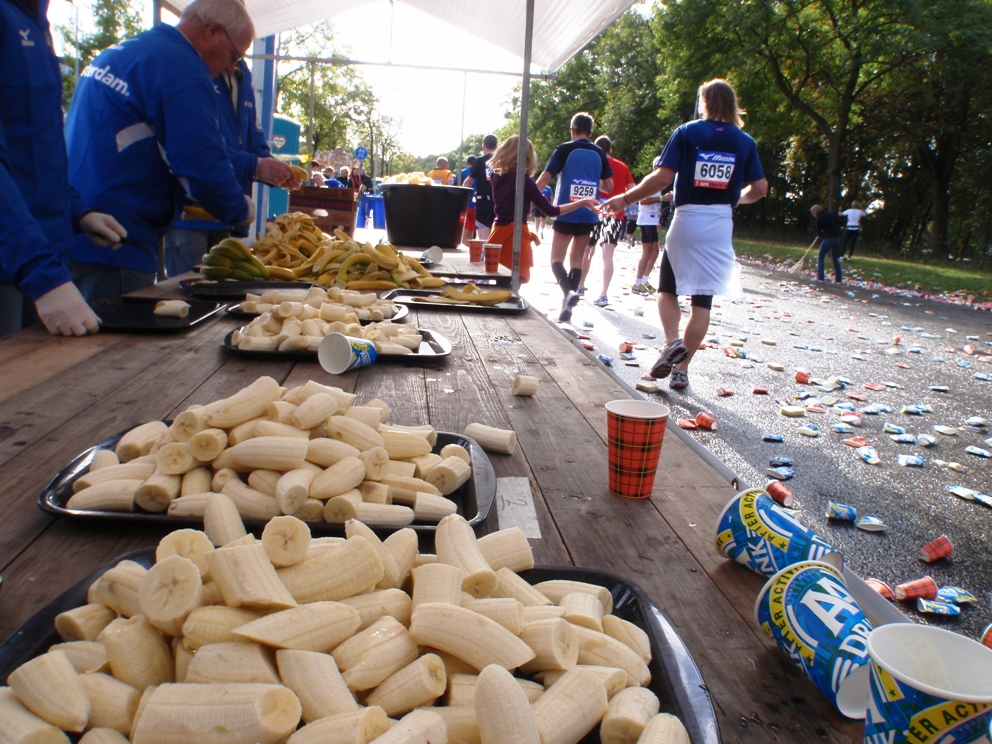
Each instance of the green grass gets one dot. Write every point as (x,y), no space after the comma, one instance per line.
(894,272)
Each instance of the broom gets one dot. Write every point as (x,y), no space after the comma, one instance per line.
(797,267)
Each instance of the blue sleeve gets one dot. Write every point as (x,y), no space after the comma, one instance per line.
(26,256)
(196,152)
(671,155)
(752,166)
(244,165)
(555,164)
(76,205)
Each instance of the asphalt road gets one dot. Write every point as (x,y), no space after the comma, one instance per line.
(822,328)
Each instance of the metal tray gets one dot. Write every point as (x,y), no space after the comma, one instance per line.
(234,289)
(135,314)
(236,311)
(515,304)
(475,498)
(479,278)
(434,346)
(675,678)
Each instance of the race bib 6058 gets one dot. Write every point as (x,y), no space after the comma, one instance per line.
(713,169)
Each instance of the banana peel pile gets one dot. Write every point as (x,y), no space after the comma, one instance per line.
(295,249)
(470,294)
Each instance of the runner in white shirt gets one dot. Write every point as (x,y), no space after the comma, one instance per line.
(648,213)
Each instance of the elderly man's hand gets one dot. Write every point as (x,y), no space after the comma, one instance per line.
(103,229)
(274,172)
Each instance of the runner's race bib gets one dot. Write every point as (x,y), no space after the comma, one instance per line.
(582,190)
(713,169)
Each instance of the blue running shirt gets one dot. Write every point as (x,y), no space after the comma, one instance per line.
(580,166)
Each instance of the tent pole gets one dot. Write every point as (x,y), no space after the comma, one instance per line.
(519,218)
(268,109)
(461,142)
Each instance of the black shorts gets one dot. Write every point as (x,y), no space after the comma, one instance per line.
(574,228)
(649,233)
(667,285)
(485,211)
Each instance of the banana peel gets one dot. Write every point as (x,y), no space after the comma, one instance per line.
(196,212)
(476,296)
(376,284)
(278,272)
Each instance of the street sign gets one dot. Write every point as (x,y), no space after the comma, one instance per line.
(361,153)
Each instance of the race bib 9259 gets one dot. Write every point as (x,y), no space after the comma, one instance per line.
(582,190)
(713,169)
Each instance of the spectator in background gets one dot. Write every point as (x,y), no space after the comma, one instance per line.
(828,228)
(143,137)
(478,179)
(187,240)
(318,181)
(853,229)
(582,170)
(469,162)
(441,174)
(315,168)
(329,176)
(344,178)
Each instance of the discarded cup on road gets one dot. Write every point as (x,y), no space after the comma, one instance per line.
(758,533)
(936,549)
(338,353)
(475,250)
(802,376)
(881,587)
(492,251)
(812,616)
(780,493)
(635,430)
(987,640)
(937,607)
(925,587)
(842,512)
(706,421)
(927,685)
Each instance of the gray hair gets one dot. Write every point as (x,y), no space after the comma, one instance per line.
(231,14)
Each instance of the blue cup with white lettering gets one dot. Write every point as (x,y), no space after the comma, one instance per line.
(812,616)
(928,686)
(758,533)
(339,353)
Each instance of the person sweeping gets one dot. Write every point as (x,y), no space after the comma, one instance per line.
(504,181)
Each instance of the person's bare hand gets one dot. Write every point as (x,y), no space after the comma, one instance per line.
(275,172)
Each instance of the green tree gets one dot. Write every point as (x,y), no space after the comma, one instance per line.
(115,20)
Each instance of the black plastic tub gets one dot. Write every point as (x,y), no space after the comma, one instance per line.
(675,679)
(422,216)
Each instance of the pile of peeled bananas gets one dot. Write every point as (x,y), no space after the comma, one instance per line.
(415,178)
(295,249)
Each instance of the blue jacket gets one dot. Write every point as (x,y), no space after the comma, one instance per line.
(143,136)
(245,141)
(36,205)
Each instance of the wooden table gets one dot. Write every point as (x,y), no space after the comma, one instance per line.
(59,396)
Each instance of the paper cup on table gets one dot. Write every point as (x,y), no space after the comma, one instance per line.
(434,253)
(758,533)
(811,615)
(338,353)
(475,250)
(928,685)
(635,430)
(492,253)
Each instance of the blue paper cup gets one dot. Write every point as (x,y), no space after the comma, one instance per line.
(758,533)
(339,353)
(807,609)
(928,686)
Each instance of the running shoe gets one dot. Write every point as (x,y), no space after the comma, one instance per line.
(601,301)
(675,353)
(567,305)
(640,289)
(581,290)
(651,289)
(679,380)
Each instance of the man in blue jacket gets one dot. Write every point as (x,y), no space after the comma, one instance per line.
(144,137)
(248,149)
(38,208)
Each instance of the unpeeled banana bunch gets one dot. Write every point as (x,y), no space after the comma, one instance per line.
(232,259)
(309,452)
(230,640)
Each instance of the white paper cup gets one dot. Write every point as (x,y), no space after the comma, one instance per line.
(928,685)
(338,353)
(434,253)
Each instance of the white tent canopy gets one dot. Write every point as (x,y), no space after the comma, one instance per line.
(561,27)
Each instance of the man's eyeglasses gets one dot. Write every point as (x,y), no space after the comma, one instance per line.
(236,56)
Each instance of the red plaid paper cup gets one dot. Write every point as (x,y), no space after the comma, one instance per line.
(635,430)
(475,250)
(493,251)
(939,548)
(925,588)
